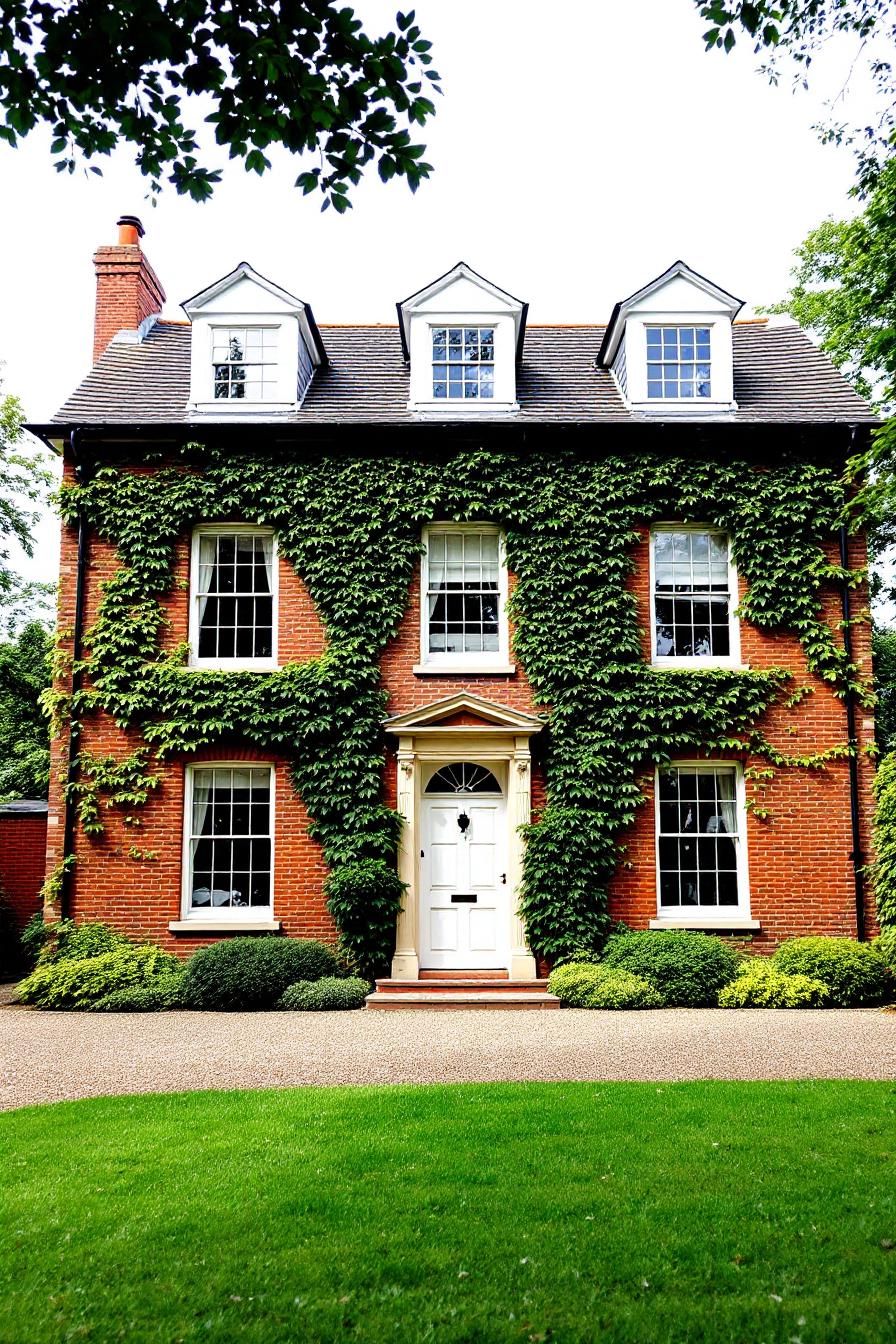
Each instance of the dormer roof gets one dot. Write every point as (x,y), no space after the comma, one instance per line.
(494,299)
(282,301)
(678,270)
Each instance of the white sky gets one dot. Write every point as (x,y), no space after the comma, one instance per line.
(575,159)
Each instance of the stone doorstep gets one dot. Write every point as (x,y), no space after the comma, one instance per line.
(461,984)
(465,998)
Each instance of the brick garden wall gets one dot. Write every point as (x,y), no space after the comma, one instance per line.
(23,843)
(800,874)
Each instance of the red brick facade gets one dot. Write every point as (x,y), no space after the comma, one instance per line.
(801,876)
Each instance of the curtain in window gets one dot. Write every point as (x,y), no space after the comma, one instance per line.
(267,549)
(207,563)
(726,786)
(202,791)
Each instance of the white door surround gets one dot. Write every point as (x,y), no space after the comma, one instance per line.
(464,727)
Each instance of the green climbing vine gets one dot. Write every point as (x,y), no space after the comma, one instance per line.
(351,527)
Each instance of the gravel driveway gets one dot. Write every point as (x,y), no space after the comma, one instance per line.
(57,1056)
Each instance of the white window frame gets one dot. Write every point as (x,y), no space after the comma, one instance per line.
(232,664)
(707,916)
(497,662)
(276,365)
(463,364)
(259,916)
(680,325)
(696,660)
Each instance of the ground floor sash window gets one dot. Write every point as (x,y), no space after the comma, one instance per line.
(230,839)
(700,839)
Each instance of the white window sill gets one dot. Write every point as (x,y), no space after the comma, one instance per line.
(468,669)
(232,665)
(697,663)
(703,923)
(224,926)
(696,407)
(461,410)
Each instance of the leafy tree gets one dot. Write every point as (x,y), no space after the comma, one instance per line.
(24,734)
(24,480)
(883,646)
(798,30)
(304,76)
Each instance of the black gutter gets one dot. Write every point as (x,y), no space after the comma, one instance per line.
(68,837)
(856,856)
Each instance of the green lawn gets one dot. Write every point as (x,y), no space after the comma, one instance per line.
(737,1212)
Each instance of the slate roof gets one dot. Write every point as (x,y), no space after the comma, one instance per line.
(779,377)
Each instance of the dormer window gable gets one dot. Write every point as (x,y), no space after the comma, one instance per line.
(463,338)
(254,348)
(669,346)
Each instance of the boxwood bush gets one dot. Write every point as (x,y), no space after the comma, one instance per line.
(81,984)
(584,985)
(241,973)
(855,974)
(155,996)
(759,984)
(686,969)
(326,995)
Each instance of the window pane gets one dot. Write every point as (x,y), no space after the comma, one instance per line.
(233,623)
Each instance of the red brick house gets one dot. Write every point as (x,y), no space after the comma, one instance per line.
(465,739)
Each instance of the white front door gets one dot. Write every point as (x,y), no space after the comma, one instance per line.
(464,915)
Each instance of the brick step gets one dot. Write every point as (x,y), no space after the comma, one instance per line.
(461,984)
(469,998)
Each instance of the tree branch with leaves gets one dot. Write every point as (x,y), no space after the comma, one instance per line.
(305,77)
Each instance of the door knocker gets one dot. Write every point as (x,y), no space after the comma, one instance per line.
(463,822)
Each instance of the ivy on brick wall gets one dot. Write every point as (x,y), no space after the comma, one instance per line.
(351,527)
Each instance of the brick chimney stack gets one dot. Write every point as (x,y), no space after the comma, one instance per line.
(128,290)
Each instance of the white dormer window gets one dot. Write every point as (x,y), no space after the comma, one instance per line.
(670,346)
(463,363)
(245,363)
(678,362)
(254,349)
(462,337)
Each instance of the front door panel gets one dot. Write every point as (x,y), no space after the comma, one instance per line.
(463,908)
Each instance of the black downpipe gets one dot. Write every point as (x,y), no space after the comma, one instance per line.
(68,837)
(857,857)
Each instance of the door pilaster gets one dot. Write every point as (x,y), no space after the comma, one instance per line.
(406,962)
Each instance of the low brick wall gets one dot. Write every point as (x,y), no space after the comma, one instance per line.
(23,848)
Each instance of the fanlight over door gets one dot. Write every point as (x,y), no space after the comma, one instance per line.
(463,777)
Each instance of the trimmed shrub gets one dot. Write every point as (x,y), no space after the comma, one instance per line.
(885,946)
(327,995)
(759,984)
(81,984)
(32,938)
(686,969)
(156,996)
(241,973)
(855,973)
(363,897)
(584,985)
(68,941)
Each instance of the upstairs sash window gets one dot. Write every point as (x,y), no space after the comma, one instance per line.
(463,597)
(233,597)
(693,595)
(245,363)
(463,363)
(678,363)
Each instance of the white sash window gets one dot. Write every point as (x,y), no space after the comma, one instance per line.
(233,598)
(229,842)
(700,841)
